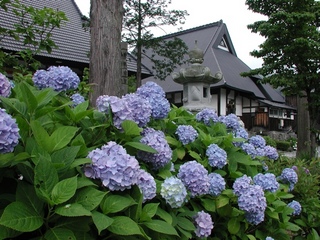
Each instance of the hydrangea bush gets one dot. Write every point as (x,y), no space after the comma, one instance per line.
(124,169)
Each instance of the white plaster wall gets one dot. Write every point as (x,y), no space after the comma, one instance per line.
(223,102)
(239,106)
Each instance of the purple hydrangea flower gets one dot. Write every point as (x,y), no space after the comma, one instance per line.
(146,184)
(260,152)
(9,132)
(155,95)
(5,86)
(254,217)
(77,99)
(267,181)
(173,191)
(60,78)
(104,103)
(217,156)
(269,238)
(207,116)
(241,133)
(249,149)
(257,141)
(271,152)
(195,177)
(186,134)
(241,184)
(217,184)
(231,121)
(204,224)
(289,176)
(113,166)
(156,140)
(296,207)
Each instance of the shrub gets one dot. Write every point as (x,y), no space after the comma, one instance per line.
(283,145)
(270,141)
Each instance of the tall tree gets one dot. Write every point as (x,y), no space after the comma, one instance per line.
(105,52)
(291,54)
(140,18)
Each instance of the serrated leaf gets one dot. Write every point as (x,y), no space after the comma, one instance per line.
(195,155)
(40,134)
(150,209)
(65,156)
(28,96)
(164,215)
(186,224)
(90,197)
(84,182)
(61,137)
(233,226)
(141,146)
(101,221)
(161,227)
(251,237)
(222,201)
(209,204)
(59,234)
(72,210)
(64,190)
(131,128)
(181,152)
(7,233)
(116,203)
(20,217)
(26,194)
(124,226)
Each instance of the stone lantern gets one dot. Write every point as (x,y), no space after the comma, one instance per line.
(196,80)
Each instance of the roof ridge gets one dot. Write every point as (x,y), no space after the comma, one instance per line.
(77,7)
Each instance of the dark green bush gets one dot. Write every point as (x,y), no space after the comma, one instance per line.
(283,145)
(270,141)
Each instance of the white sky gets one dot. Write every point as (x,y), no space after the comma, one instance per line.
(234,13)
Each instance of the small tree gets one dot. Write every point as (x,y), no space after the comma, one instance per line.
(139,19)
(291,53)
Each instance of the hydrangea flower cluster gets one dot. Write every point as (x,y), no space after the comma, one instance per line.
(186,134)
(217,156)
(271,152)
(269,238)
(249,149)
(257,141)
(240,133)
(156,140)
(289,176)
(204,224)
(9,132)
(267,181)
(77,99)
(254,203)
(195,177)
(217,184)
(231,121)
(155,95)
(241,184)
(113,166)
(5,86)
(206,116)
(173,191)
(296,207)
(59,78)
(146,184)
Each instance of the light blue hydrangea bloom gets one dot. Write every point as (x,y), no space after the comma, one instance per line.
(5,86)
(9,132)
(77,99)
(217,157)
(231,121)
(113,166)
(153,93)
(186,134)
(289,176)
(254,218)
(173,191)
(217,184)
(267,181)
(249,149)
(59,78)
(207,116)
(271,152)
(195,177)
(146,184)
(260,152)
(156,140)
(240,133)
(241,184)
(269,238)
(204,224)
(296,207)
(257,141)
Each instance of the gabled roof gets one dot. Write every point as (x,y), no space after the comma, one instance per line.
(72,39)
(217,58)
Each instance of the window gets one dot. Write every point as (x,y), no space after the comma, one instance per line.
(223,45)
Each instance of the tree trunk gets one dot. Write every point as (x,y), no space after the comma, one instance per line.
(303,126)
(105,52)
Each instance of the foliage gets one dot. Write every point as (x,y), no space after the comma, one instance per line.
(33,30)
(283,145)
(48,191)
(270,141)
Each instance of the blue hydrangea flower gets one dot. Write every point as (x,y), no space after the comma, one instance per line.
(77,99)
(254,218)
(173,191)
(153,93)
(269,238)
(241,184)
(104,103)
(186,134)
(289,176)
(271,152)
(241,133)
(217,184)
(257,141)
(260,152)
(156,140)
(9,132)
(267,181)
(204,224)
(113,166)
(249,149)
(5,86)
(59,78)
(296,207)
(231,121)
(146,184)
(217,157)
(207,116)
(195,177)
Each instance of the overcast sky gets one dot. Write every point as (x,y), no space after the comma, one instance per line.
(234,13)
